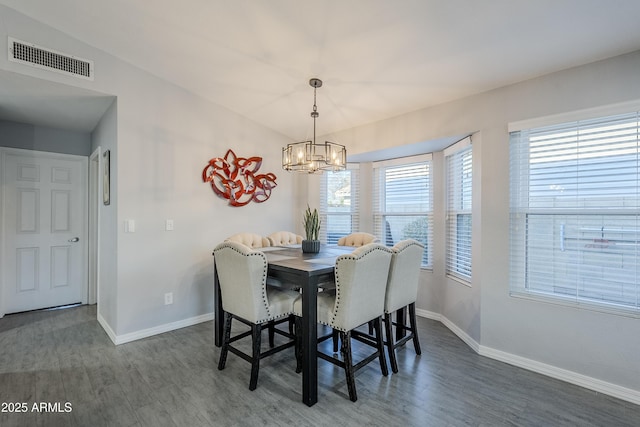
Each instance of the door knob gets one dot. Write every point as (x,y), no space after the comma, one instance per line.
(75,239)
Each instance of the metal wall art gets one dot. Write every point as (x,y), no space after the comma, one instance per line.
(235,179)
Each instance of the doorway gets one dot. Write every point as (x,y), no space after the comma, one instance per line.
(44,223)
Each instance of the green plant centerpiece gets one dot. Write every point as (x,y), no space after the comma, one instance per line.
(312,230)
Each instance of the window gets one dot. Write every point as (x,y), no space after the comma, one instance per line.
(403,202)
(575,205)
(458,221)
(338,204)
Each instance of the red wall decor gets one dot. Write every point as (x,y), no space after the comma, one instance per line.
(235,179)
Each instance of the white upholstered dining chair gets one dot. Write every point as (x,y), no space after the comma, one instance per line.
(251,240)
(402,291)
(361,280)
(284,238)
(242,274)
(256,241)
(357,239)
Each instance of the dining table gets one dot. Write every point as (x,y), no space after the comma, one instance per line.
(288,264)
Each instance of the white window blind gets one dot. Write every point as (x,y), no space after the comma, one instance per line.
(338,204)
(575,205)
(458,219)
(403,202)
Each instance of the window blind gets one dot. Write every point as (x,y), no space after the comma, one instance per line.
(458,218)
(403,202)
(575,205)
(338,204)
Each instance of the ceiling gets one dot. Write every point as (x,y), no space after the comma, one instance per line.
(377,58)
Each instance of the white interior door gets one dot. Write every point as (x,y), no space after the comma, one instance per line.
(44,211)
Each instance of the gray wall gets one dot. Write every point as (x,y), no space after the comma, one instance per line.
(41,138)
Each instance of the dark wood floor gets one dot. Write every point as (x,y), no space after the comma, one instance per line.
(172,380)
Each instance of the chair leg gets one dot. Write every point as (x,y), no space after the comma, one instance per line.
(388,326)
(292,322)
(414,329)
(334,336)
(272,333)
(348,365)
(370,324)
(256,335)
(380,342)
(225,341)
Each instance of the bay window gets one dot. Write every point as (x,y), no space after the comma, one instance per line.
(458,217)
(339,204)
(403,202)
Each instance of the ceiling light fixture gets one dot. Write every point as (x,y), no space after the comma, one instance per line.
(309,157)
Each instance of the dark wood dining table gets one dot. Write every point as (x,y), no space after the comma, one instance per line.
(305,270)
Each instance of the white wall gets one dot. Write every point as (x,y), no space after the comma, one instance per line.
(105,137)
(44,138)
(164,143)
(594,349)
(160,137)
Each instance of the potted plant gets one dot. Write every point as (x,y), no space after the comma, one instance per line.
(312,230)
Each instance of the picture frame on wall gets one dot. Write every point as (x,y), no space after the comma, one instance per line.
(106,189)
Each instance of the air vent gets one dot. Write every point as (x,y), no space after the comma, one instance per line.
(42,57)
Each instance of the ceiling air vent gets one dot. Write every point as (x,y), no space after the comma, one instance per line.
(48,59)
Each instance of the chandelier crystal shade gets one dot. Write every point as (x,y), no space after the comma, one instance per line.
(312,157)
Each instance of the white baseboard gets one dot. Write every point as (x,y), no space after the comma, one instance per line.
(591,383)
(429,314)
(145,333)
(107,328)
(594,384)
(461,334)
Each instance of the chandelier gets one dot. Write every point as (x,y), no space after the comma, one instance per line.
(309,157)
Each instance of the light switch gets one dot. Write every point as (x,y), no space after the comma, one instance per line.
(130,226)
(169,225)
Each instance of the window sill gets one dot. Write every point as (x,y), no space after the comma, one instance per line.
(580,305)
(465,282)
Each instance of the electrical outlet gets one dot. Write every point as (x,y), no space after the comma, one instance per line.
(168,298)
(168,226)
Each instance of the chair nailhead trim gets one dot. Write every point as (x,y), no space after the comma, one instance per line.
(264,273)
(374,247)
